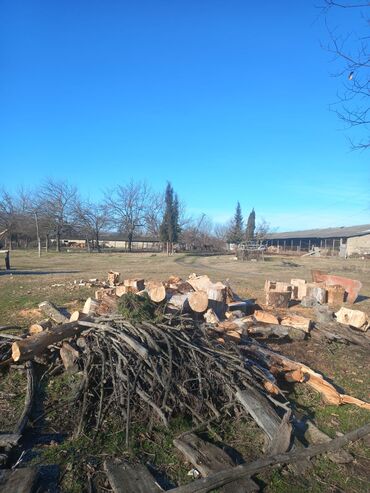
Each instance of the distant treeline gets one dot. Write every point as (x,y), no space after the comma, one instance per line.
(57,210)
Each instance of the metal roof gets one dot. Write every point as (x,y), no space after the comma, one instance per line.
(342,232)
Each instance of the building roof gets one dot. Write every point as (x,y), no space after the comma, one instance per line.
(342,232)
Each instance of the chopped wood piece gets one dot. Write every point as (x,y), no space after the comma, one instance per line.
(301,286)
(265,317)
(179,302)
(210,317)
(20,480)
(277,299)
(335,294)
(107,305)
(208,458)
(297,322)
(277,331)
(198,301)
(355,318)
(76,316)
(113,278)
(156,291)
(53,312)
(125,478)
(317,292)
(36,344)
(40,326)
(121,290)
(99,293)
(134,285)
(91,306)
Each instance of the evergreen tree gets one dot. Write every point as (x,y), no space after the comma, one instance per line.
(251,226)
(236,231)
(170,229)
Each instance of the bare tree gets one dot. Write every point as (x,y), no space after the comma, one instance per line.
(8,216)
(352,53)
(55,204)
(128,206)
(91,219)
(154,214)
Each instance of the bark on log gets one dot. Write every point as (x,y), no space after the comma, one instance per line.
(53,312)
(277,299)
(36,344)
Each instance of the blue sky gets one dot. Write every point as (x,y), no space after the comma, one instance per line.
(229,100)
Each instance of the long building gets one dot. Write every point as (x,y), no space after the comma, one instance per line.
(347,240)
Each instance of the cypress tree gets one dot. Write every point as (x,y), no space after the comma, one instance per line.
(251,225)
(170,229)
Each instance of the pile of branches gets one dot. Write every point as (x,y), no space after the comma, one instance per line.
(143,370)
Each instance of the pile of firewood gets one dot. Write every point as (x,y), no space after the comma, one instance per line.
(202,358)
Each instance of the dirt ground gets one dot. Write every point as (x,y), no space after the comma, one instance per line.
(52,277)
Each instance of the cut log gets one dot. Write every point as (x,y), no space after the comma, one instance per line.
(207,458)
(301,286)
(297,322)
(99,293)
(36,344)
(22,480)
(91,306)
(198,301)
(121,290)
(352,286)
(277,299)
(354,318)
(335,294)
(156,291)
(199,283)
(317,292)
(40,326)
(107,305)
(134,285)
(53,312)
(265,317)
(179,302)
(125,478)
(113,278)
(76,315)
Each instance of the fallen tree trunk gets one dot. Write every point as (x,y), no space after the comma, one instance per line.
(225,477)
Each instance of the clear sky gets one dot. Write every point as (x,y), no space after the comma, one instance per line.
(227,99)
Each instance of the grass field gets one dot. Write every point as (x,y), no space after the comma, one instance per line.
(51,277)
